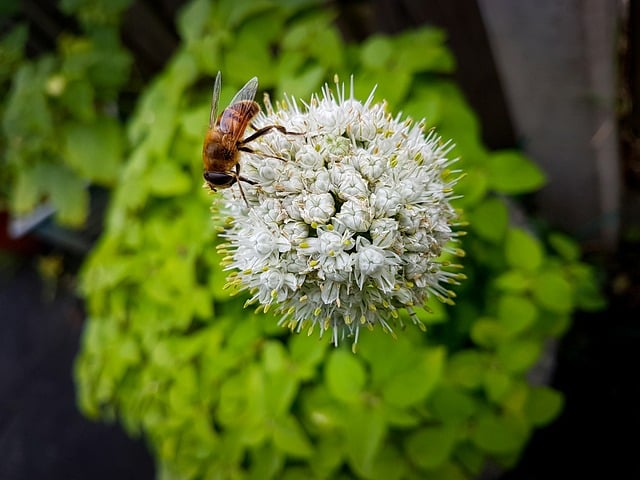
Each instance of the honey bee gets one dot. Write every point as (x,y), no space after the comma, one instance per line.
(223,142)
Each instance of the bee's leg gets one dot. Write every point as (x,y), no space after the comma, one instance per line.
(264,130)
(240,179)
(251,150)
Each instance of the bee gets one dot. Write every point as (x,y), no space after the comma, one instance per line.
(223,141)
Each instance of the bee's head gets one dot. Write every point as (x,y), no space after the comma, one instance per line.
(218,180)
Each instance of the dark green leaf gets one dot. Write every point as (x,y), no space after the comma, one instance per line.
(588,292)
(565,246)
(12,48)
(543,404)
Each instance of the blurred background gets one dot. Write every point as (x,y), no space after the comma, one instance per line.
(87,88)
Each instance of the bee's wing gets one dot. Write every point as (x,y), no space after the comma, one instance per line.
(248,92)
(214,100)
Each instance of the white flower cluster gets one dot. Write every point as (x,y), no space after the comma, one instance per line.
(347,221)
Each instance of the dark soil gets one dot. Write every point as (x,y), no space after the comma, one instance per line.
(42,434)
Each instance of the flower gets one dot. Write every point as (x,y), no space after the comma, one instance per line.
(348,219)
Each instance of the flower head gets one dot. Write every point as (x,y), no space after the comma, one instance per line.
(348,218)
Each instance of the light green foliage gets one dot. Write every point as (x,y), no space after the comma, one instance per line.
(59,130)
(218,391)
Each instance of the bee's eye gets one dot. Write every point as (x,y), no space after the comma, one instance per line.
(219,179)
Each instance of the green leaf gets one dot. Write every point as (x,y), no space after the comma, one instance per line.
(27,190)
(519,355)
(12,46)
(432,56)
(266,461)
(490,219)
(411,386)
(111,64)
(498,434)
(466,368)
(306,354)
(487,332)
(364,429)
(345,376)
(26,113)
(511,173)
(515,281)
(94,150)
(473,187)
(300,83)
(184,391)
(453,405)
(289,437)
(328,454)
(565,246)
(193,19)
(497,383)
(377,52)
(553,291)
(274,357)
(543,404)
(588,293)
(249,53)
(516,313)
(167,180)
(522,250)
(281,389)
(424,103)
(389,464)
(240,409)
(431,446)
(471,459)
(68,195)
(393,89)
(78,98)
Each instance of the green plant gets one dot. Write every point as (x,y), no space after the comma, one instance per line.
(221,392)
(60,130)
